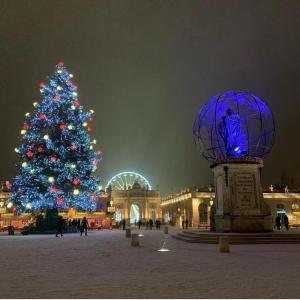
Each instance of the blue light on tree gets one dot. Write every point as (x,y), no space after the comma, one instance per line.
(57,157)
(234,124)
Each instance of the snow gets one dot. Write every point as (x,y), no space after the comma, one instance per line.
(104,265)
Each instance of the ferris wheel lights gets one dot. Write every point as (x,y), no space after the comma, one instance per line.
(125,180)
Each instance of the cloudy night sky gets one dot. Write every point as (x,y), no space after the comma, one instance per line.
(146,67)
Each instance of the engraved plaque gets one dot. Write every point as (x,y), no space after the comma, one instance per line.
(245,190)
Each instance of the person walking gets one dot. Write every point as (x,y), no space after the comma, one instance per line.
(59,224)
(84,226)
(124,224)
(151,223)
(286,222)
(158,224)
(186,224)
(183,223)
(278,222)
(139,224)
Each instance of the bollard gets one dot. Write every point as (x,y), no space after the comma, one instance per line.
(166,230)
(224,244)
(135,242)
(128,232)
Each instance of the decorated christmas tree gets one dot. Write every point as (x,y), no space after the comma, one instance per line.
(57,156)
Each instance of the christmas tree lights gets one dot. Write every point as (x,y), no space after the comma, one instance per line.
(56,154)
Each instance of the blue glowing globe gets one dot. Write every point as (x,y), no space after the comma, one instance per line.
(234,124)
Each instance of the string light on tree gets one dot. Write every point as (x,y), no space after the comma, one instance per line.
(51,179)
(58,147)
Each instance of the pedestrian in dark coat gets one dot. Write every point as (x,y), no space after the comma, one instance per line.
(286,222)
(183,224)
(278,222)
(124,223)
(59,224)
(151,223)
(139,224)
(186,224)
(84,226)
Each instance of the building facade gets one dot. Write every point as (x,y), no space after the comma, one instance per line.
(195,206)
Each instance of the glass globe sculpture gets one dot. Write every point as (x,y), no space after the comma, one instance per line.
(234,124)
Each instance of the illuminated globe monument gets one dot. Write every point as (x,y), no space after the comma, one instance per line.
(235,131)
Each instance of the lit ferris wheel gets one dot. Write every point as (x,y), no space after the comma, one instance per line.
(125,180)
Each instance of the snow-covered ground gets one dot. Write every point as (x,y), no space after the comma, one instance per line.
(104,265)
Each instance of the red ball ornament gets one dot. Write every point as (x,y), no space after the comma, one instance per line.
(8,185)
(42,84)
(61,63)
(29,153)
(73,147)
(100,152)
(40,149)
(89,129)
(53,157)
(62,126)
(25,126)
(56,97)
(59,201)
(91,118)
(76,102)
(94,162)
(54,189)
(75,181)
(42,116)
(70,82)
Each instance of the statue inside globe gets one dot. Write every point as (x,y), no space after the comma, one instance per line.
(230,132)
(235,130)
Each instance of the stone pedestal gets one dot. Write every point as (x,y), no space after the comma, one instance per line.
(239,202)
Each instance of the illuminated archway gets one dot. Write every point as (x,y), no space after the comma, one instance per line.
(125,180)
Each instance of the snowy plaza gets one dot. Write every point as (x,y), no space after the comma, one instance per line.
(104,265)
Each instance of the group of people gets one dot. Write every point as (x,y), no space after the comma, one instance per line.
(279,222)
(148,224)
(79,225)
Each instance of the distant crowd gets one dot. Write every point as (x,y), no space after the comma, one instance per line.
(75,225)
(147,224)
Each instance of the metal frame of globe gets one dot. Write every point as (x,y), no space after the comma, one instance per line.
(236,130)
(127,179)
(256,122)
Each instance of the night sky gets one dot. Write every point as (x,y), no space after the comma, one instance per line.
(146,67)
